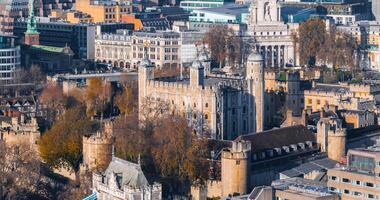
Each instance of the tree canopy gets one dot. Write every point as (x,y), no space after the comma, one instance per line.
(61,146)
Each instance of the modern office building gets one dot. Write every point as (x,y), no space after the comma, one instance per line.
(225,14)
(79,37)
(376,9)
(360,179)
(190,5)
(9,59)
(99,11)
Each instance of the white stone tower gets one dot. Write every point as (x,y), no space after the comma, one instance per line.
(255,81)
(235,168)
(197,76)
(145,74)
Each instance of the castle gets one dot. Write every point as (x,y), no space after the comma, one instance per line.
(227,106)
(19,131)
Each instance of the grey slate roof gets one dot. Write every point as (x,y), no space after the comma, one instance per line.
(130,173)
(278,137)
(316,165)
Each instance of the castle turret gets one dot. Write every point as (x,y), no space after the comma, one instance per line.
(197,74)
(255,80)
(97,150)
(332,138)
(205,60)
(145,74)
(235,168)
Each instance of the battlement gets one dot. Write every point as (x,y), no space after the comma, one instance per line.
(98,138)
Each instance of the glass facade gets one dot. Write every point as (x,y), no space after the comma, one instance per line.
(362,164)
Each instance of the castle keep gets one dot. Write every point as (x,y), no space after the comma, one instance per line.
(210,101)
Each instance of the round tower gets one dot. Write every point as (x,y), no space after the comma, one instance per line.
(255,81)
(332,138)
(336,144)
(235,168)
(97,151)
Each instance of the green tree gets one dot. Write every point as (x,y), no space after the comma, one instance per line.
(61,146)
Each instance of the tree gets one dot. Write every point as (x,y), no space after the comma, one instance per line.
(19,172)
(61,146)
(126,100)
(312,35)
(97,94)
(223,43)
(54,101)
(126,129)
(178,154)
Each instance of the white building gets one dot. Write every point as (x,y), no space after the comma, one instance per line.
(124,180)
(126,50)
(270,35)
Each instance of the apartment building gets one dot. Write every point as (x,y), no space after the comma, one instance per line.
(360,179)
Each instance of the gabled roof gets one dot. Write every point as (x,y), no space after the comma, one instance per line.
(130,173)
(277,138)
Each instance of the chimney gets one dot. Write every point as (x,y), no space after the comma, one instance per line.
(322,113)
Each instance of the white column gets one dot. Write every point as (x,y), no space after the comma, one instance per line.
(279,56)
(272,56)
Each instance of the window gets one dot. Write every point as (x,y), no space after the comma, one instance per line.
(369,184)
(334,178)
(318,102)
(206,116)
(346,191)
(370,196)
(345,180)
(357,193)
(356,182)
(206,105)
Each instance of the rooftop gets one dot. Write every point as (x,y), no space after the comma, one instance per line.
(315,165)
(278,137)
(48,48)
(128,173)
(302,186)
(229,9)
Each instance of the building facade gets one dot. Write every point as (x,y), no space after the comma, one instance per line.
(100,11)
(268,34)
(79,37)
(376,9)
(10,59)
(360,179)
(344,96)
(225,14)
(125,49)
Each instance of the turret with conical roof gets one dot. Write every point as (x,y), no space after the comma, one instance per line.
(255,80)
(197,74)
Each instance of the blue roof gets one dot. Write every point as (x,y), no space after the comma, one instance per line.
(91,197)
